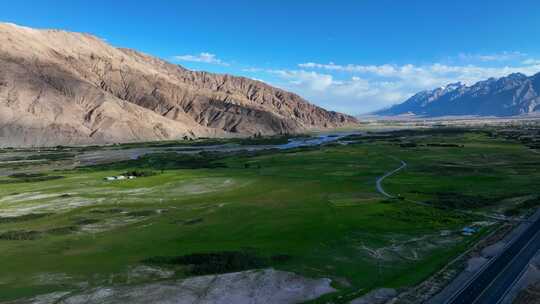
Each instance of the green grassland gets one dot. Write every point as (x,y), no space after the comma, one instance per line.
(314,211)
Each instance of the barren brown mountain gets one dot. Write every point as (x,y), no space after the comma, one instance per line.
(64,88)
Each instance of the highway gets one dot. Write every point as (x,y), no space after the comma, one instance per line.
(491,284)
(495,279)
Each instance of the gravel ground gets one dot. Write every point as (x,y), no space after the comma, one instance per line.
(377,296)
(266,286)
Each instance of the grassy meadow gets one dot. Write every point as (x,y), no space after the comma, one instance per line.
(314,211)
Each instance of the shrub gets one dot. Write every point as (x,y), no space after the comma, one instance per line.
(20,235)
(140,173)
(213,262)
(23,218)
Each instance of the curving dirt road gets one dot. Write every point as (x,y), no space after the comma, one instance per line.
(380,179)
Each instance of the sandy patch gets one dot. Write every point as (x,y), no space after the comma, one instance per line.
(409,249)
(111,190)
(109,224)
(55,206)
(50,298)
(143,272)
(29,196)
(249,287)
(377,296)
(49,278)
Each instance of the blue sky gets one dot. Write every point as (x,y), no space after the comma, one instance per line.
(345,55)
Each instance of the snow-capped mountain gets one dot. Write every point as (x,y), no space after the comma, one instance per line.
(515,94)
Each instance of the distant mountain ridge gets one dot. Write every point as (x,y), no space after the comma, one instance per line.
(515,94)
(66,88)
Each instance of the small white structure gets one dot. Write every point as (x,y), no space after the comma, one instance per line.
(119,177)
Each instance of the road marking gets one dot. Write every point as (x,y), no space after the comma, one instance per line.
(506,267)
(516,280)
(491,261)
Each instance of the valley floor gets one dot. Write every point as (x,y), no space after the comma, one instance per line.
(314,211)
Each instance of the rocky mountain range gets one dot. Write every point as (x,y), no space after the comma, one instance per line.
(513,95)
(65,88)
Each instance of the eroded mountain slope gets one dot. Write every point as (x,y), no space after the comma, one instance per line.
(59,87)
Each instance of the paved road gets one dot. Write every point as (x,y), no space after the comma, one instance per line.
(492,283)
(380,180)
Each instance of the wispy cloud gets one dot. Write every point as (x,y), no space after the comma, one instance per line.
(303,79)
(382,70)
(495,57)
(252,70)
(357,88)
(352,95)
(428,75)
(531,61)
(203,57)
(361,88)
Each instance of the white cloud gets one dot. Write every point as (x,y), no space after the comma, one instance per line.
(428,75)
(531,61)
(383,70)
(349,95)
(502,56)
(371,87)
(203,57)
(252,70)
(303,79)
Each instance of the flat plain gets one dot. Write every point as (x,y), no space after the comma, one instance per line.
(313,210)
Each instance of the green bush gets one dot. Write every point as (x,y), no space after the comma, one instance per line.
(213,262)
(23,218)
(20,235)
